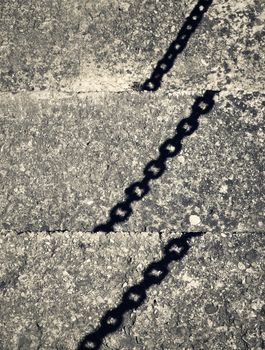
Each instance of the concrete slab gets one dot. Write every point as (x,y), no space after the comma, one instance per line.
(78,45)
(66,162)
(55,288)
(76,130)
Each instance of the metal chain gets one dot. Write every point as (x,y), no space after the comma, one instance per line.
(177,248)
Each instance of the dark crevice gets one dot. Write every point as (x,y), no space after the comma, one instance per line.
(46,231)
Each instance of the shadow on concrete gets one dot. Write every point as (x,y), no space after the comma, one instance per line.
(156,167)
(176,47)
(175,250)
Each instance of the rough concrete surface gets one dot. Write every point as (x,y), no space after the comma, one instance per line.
(56,287)
(76,130)
(65,163)
(86,45)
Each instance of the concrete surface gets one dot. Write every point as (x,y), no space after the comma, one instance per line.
(55,288)
(86,45)
(66,162)
(76,132)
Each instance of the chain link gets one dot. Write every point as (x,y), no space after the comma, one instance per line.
(137,190)
(135,292)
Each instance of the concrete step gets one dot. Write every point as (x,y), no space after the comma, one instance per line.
(56,288)
(79,45)
(77,133)
(65,162)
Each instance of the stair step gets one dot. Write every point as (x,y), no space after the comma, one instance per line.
(110,45)
(57,287)
(66,162)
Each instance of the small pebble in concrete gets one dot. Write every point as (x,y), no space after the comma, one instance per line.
(195,220)
(210,309)
(223,189)
(181,159)
(241,266)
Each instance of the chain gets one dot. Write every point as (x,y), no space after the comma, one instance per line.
(156,167)
(177,46)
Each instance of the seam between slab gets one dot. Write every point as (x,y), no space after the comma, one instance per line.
(58,95)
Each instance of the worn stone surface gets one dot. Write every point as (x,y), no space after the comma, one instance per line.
(66,162)
(55,288)
(75,131)
(108,45)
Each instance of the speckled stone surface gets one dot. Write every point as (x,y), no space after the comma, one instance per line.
(86,45)
(55,288)
(65,163)
(75,132)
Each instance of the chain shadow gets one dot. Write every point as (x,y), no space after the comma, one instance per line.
(156,167)
(176,47)
(175,250)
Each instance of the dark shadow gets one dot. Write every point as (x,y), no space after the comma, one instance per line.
(176,47)
(177,248)
(134,297)
(156,167)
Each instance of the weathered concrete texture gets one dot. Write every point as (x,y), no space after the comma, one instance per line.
(55,288)
(66,162)
(75,132)
(104,45)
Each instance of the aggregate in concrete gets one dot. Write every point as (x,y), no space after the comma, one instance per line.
(76,131)
(56,287)
(66,162)
(84,45)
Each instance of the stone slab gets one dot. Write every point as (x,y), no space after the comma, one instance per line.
(84,45)
(65,162)
(55,288)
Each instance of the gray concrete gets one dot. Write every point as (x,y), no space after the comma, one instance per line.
(56,288)
(79,45)
(75,131)
(66,162)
